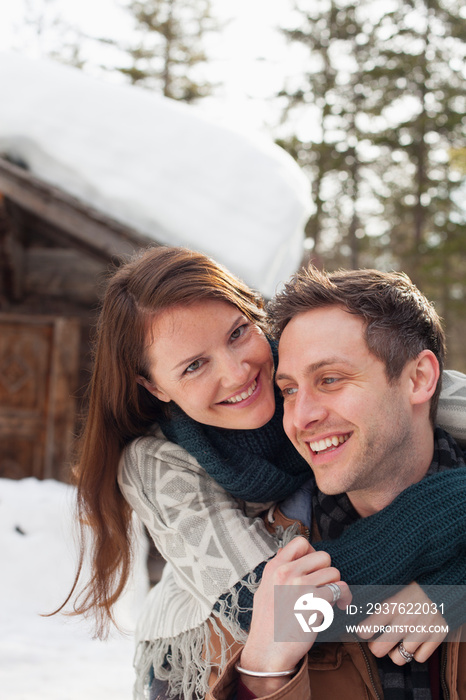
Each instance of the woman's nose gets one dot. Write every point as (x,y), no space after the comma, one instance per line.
(235,370)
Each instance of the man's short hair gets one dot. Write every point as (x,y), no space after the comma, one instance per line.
(400,321)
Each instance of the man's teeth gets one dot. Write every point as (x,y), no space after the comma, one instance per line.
(329,442)
(243,395)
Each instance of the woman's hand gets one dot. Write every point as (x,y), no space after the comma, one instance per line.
(296,564)
(420,633)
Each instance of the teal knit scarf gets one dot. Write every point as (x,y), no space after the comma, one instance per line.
(335,515)
(257,465)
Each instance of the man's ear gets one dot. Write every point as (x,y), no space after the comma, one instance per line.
(152,389)
(424,376)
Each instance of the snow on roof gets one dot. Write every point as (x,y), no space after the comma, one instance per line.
(159,166)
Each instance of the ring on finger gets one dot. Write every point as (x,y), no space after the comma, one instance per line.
(336,591)
(407,656)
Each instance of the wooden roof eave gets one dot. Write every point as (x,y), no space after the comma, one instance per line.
(84,226)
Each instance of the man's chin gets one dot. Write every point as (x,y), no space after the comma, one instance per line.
(329,487)
(330,491)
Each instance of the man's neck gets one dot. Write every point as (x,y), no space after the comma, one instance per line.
(369,501)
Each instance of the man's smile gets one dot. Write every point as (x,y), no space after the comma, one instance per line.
(328,444)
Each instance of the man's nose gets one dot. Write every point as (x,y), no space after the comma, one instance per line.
(307,409)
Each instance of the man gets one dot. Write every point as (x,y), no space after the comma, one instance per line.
(360,357)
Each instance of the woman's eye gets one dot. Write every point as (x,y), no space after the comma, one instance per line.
(197,364)
(238,332)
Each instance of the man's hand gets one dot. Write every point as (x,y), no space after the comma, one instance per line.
(420,643)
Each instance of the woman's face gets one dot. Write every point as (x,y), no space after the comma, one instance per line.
(214,363)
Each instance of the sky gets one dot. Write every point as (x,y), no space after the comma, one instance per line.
(250,58)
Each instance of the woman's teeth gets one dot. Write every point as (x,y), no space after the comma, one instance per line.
(328,443)
(243,395)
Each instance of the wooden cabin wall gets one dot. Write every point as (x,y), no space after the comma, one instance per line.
(52,289)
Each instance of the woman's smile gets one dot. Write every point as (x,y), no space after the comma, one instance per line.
(246,393)
(214,363)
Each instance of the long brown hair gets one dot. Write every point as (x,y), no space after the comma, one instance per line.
(120,409)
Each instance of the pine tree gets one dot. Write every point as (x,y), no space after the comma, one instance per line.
(46,33)
(386,87)
(338,39)
(421,61)
(168,50)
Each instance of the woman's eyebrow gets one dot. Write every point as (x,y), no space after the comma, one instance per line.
(188,360)
(241,317)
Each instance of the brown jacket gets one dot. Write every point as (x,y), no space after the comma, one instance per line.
(342,670)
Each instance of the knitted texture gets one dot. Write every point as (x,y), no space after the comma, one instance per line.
(335,514)
(255,465)
(421,530)
(431,512)
(420,536)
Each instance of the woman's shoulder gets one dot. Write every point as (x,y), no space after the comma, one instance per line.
(155,449)
(154,474)
(156,471)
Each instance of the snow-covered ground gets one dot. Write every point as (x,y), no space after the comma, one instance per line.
(54,658)
(158,165)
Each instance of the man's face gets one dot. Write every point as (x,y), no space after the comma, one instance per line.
(341,414)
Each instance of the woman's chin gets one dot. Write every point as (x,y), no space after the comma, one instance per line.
(256,418)
(265,419)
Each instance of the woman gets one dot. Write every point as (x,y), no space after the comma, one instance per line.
(182,354)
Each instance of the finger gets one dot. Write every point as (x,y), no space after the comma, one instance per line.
(382,646)
(296,571)
(422,651)
(346,595)
(320,577)
(385,640)
(396,653)
(328,594)
(294,550)
(426,649)
(297,548)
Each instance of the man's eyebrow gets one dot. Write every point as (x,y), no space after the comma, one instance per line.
(188,360)
(310,369)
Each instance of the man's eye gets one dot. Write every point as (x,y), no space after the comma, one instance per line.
(289,391)
(330,380)
(238,332)
(197,364)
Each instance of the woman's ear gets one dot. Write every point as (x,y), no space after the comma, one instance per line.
(152,389)
(424,377)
